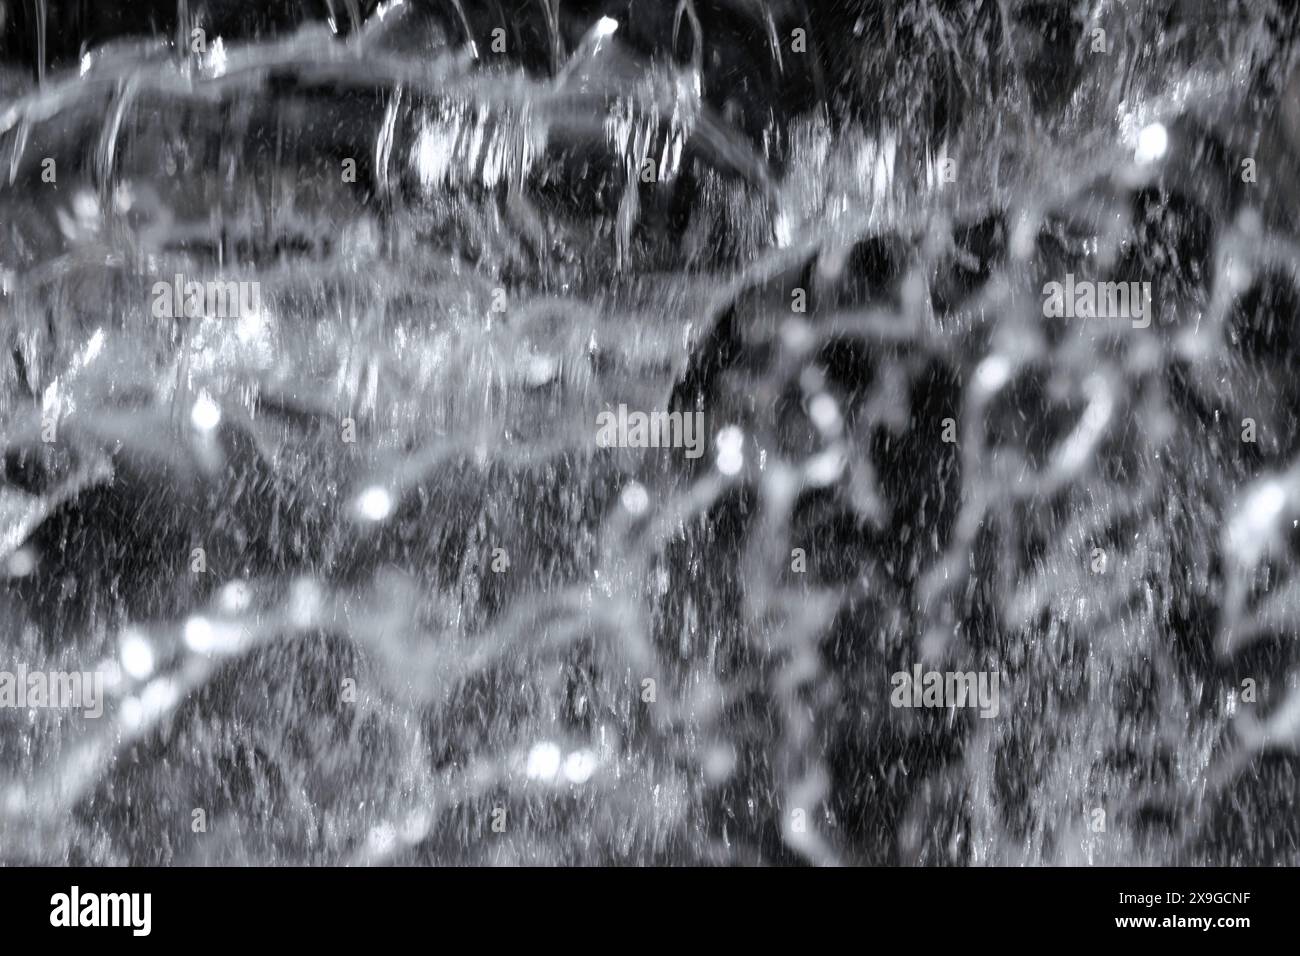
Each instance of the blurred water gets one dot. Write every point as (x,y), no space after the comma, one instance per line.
(460,265)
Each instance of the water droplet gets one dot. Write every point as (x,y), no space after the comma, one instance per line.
(375,503)
(543,761)
(1256,523)
(730,442)
(579,766)
(198,634)
(825,468)
(796,335)
(824,412)
(635,498)
(21,563)
(137,654)
(206,414)
(993,373)
(1153,143)
(540,370)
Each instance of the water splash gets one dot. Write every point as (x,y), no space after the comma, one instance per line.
(391,476)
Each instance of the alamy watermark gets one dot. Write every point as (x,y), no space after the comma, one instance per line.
(215,298)
(133,911)
(1085,299)
(947,689)
(634,429)
(78,690)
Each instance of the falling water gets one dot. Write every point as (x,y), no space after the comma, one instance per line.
(354,15)
(39,21)
(182,26)
(555,42)
(358,567)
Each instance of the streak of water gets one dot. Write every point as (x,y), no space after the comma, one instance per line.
(40,21)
